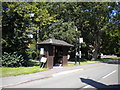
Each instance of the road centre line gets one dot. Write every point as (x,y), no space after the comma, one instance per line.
(109,74)
(89,86)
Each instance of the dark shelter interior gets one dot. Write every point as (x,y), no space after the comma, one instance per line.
(58,56)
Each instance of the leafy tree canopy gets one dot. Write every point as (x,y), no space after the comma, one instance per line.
(17,23)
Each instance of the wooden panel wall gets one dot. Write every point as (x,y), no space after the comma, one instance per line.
(49,53)
(65,52)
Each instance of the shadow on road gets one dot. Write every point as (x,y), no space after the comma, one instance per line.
(98,85)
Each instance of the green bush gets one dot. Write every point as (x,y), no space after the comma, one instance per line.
(33,63)
(12,59)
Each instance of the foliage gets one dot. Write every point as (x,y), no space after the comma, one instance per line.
(17,24)
(64,31)
(93,19)
(12,60)
(111,45)
(31,50)
(8,71)
(33,63)
(111,41)
(97,23)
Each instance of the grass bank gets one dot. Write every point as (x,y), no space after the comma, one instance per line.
(34,67)
(107,59)
(81,63)
(92,62)
(14,71)
(9,71)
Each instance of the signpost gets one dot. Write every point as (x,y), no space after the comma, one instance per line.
(41,51)
(80,41)
(43,61)
(79,54)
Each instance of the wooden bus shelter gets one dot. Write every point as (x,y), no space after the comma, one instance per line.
(55,51)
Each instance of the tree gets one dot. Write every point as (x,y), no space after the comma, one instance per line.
(17,24)
(62,30)
(95,21)
(91,18)
(111,43)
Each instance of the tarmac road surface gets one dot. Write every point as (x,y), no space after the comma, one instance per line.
(102,75)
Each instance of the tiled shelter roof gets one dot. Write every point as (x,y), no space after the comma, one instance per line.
(53,41)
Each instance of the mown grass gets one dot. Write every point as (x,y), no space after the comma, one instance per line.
(107,59)
(81,63)
(92,62)
(33,63)
(33,67)
(9,71)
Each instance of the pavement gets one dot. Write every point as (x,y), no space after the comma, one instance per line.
(21,79)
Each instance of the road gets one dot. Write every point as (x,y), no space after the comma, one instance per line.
(101,76)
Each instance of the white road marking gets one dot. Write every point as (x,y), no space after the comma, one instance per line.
(87,86)
(66,72)
(109,74)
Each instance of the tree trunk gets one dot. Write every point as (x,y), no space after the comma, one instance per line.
(95,53)
(96,46)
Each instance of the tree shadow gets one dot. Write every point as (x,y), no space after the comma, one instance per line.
(99,85)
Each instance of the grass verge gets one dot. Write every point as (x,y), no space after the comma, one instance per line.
(8,71)
(107,59)
(81,63)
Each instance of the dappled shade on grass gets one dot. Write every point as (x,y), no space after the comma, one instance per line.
(33,63)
